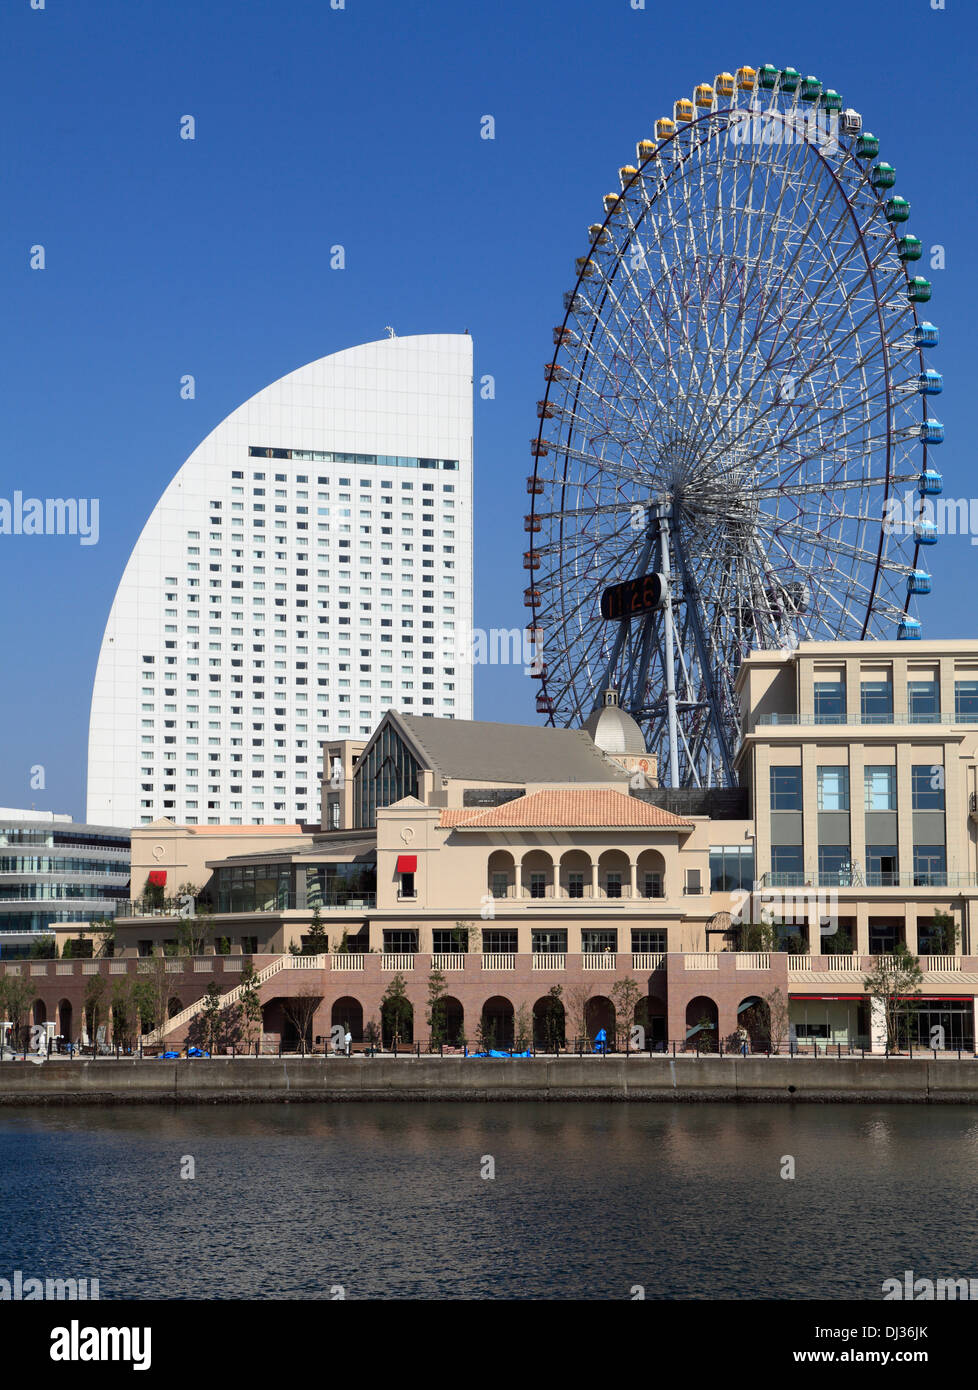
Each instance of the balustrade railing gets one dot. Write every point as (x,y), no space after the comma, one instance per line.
(448,960)
(701,960)
(396,960)
(648,960)
(549,960)
(346,960)
(499,961)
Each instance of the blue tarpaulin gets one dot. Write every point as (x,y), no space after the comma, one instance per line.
(494,1053)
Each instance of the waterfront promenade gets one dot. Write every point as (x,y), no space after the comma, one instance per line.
(928,1080)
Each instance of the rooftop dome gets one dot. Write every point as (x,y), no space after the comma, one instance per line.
(613,729)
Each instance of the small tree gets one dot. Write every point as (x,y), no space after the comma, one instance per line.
(104,943)
(145,1004)
(395,1008)
(756,936)
(158,991)
(893,984)
(523,1027)
(553,1018)
(15,998)
(250,1004)
(579,995)
(779,1015)
(485,1033)
(468,936)
(436,1013)
(124,1011)
(299,1009)
(195,930)
(210,1016)
(625,994)
(838,944)
(318,941)
(944,934)
(94,1004)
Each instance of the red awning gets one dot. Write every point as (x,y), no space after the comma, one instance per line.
(407,864)
(157,877)
(903,998)
(826,998)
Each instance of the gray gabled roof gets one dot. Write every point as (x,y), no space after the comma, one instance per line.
(507,753)
(345,845)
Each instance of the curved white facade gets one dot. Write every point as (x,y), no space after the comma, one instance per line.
(272,602)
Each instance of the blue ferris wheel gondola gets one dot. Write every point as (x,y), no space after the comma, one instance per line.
(925,532)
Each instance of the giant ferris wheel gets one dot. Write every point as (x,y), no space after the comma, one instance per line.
(733,442)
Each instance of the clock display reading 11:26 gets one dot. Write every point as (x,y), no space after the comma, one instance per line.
(641,595)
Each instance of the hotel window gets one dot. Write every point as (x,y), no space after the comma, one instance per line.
(834,865)
(880,787)
(833,788)
(927,787)
(876,701)
(787,865)
(575,885)
(499,942)
(881,866)
(785,788)
(538,885)
(613,885)
(731,868)
(652,886)
(883,937)
(548,942)
(400,941)
(924,701)
(830,702)
(929,865)
(596,941)
(500,885)
(450,941)
(693,884)
(649,941)
(966,701)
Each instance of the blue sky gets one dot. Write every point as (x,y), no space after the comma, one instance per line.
(361,126)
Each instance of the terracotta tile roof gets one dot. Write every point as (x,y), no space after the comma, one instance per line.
(455,815)
(566,810)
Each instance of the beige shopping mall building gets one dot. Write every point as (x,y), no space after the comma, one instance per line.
(516,859)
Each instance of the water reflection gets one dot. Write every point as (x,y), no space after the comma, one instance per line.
(588,1199)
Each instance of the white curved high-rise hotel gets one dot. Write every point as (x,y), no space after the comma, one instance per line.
(305,570)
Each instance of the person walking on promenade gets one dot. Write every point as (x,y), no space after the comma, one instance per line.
(743,1037)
